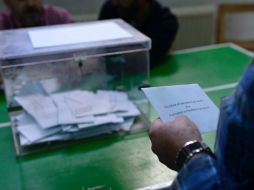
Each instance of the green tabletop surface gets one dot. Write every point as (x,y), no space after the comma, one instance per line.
(124,162)
(3,111)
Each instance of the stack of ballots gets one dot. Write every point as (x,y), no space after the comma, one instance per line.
(73,114)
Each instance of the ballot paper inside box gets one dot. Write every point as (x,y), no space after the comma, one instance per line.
(70,83)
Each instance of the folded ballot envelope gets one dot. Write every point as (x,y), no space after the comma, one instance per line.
(189,100)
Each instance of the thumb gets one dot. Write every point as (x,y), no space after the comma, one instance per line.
(157,123)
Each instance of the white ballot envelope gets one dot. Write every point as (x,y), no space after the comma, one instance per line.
(189,100)
(41,108)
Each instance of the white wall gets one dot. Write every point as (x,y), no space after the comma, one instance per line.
(201,2)
(93,6)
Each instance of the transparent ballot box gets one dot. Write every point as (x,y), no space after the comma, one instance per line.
(70,83)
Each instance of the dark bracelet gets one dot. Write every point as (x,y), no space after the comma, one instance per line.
(189,150)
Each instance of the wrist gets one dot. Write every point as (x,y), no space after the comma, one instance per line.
(190,150)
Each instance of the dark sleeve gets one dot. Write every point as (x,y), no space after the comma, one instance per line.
(1,22)
(203,172)
(107,11)
(163,37)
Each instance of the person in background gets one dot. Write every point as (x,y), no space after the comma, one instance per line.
(32,13)
(150,18)
(178,145)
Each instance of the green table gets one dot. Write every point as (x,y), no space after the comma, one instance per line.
(121,162)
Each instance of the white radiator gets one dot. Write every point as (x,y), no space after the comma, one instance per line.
(196,26)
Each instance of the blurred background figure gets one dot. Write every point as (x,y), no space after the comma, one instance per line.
(150,18)
(31,13)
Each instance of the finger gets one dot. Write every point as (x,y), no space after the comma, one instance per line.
(158,122)
(153,149)
(155,128)
(181,117)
